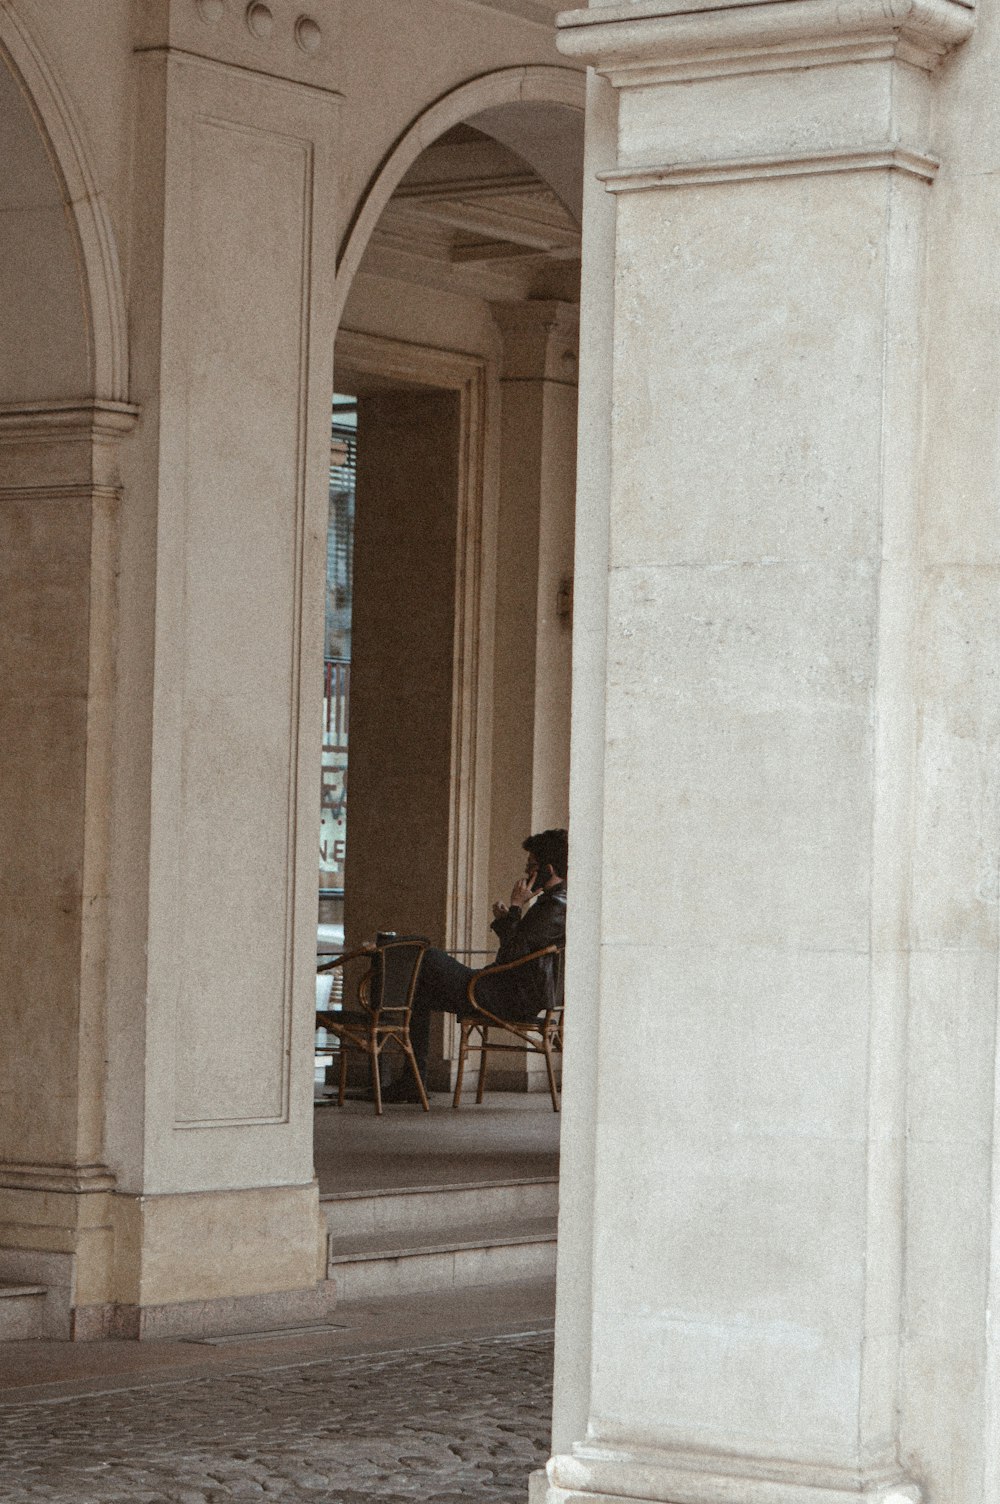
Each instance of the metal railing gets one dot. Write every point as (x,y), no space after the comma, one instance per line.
(336,719)
(336,701)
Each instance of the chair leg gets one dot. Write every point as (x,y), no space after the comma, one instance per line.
(463,1050)
(550,1067)
(342,1082)
(481,1084)
(376,1076)
(418,1078)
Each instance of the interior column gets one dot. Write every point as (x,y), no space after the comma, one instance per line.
(534,599)
(774,165)
(531,682)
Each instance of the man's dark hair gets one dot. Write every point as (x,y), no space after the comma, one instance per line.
(550,848)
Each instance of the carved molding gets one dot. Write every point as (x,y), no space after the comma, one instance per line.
(652,41)
(46,421)
(748,169)
(62,450)
(66,1178)
(540,340)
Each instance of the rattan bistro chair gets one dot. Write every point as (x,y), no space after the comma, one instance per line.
(539,1036)
(385,999)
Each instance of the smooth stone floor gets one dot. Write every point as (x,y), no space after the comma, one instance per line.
(512,1136)
(442,1398)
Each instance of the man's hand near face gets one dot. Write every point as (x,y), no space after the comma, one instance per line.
(522,894)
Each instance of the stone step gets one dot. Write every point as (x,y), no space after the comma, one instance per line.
(479,1253)
(22,1312)
(425,1209)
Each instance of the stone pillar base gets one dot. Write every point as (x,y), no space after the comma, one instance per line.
(275,1311)
(592,1476)
(516,1073)
(205,1247)
(130,1266)
(538,1485)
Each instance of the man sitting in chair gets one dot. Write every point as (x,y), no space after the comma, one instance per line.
(536,918)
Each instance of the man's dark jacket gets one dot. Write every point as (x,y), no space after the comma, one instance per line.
(528,991)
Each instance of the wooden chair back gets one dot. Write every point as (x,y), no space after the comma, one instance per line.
(392,980)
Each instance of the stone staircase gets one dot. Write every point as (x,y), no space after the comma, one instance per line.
(435,1238)
(386,1242)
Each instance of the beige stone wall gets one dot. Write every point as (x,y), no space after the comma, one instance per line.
(59,515)
(100,101)
(46,551)
(43,317)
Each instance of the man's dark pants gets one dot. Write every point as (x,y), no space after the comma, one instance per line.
(442,987)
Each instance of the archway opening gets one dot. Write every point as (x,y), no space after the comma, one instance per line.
(458,343)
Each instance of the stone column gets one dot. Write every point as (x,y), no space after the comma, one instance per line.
(213,915)
(400,794)
(537,464)
(774,166)
(60,504)
(534,597)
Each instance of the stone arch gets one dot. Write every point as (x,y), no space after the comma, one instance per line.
(530,84)
(102,360)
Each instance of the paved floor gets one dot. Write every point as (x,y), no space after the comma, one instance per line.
(510,1136)
(441,1399)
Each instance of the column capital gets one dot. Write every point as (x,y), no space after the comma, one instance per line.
(659,41)
(540,340)
(56,445)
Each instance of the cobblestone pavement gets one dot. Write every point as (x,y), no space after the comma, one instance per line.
(453,1424)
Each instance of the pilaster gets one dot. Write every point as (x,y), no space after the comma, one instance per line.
(60,514)
(213,922)
(532,672)
(773,164)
